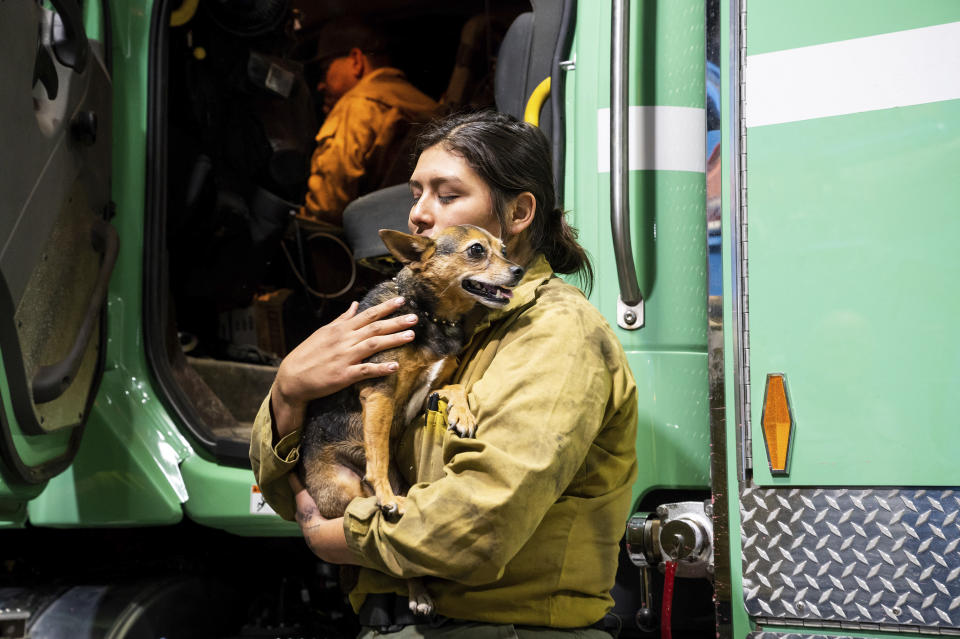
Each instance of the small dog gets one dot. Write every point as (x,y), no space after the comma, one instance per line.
(345,448)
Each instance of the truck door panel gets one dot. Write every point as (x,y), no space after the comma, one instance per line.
(57,249)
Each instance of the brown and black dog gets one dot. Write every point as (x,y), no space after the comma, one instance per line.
(345,447)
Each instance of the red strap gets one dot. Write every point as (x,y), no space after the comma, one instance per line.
(667,607)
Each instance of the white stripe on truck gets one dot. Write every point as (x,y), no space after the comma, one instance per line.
(662,138)
(897,69)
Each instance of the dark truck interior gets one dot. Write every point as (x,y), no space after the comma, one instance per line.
(233,281)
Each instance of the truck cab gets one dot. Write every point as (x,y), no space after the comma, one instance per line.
(768,195)
(170,152)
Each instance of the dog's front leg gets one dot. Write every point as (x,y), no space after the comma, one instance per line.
(378,410)
(459,418)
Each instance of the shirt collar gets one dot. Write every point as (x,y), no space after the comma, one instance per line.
(376,73)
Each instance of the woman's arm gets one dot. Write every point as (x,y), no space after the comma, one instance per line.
(323,536)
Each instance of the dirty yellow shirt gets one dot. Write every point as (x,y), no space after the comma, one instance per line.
(360,128)
(521,524)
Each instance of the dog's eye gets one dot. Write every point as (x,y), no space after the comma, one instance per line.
(503,251)
(476,250)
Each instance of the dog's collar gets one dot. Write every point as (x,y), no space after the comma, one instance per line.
(430,317)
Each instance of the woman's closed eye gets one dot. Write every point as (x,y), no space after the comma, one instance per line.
(447,199)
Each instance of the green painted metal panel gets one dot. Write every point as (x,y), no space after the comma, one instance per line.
(774,25)
(93,20)
(667,356)
(131,28)
(852,239)
(672,444)
(220,497)
(126,472)
(668,50)
(213,495)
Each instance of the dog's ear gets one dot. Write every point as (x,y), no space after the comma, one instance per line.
(405,247)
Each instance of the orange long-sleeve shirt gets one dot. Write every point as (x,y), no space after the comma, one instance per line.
(360,129)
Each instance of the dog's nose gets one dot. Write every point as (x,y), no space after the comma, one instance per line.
(517,273)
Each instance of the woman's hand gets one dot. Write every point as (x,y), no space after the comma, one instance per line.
(324,537)
(332,359)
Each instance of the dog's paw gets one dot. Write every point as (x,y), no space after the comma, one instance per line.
(393,510)
(461,421)
(421,603)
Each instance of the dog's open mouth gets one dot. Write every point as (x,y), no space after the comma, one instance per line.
(488,292)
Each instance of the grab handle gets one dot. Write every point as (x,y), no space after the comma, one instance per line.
(50,382)
(630,300)
(531,113)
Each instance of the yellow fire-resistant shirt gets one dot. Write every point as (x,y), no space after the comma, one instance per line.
(521,524)
(361,128)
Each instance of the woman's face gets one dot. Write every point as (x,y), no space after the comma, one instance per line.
(447,192)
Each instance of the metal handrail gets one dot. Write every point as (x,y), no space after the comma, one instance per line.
(630,303)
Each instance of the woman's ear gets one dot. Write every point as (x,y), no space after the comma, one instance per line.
(523,209)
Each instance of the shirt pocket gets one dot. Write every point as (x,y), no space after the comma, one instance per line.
(437,416)
(420,453)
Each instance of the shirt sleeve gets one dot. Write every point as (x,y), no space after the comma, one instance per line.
(540,404)
(339,162)
(271,463)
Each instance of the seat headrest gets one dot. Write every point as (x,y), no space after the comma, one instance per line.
(513,66)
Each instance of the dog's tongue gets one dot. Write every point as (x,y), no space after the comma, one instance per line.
(504,292)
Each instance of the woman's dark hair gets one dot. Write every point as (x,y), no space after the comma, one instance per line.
(512,157)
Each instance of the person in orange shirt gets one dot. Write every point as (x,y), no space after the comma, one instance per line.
(369,106)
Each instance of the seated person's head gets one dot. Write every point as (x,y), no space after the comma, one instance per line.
(347,50)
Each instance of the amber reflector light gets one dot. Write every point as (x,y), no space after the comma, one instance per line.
(777,423)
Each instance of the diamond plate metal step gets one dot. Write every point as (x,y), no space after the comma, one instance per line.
(882,558)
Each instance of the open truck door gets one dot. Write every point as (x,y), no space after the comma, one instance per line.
(57,249)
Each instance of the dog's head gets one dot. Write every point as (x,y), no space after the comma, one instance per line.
(463,265)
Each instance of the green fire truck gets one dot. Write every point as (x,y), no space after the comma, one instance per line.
(768,191)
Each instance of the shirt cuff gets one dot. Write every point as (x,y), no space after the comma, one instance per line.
(272,461)
(360,531)
(287,450)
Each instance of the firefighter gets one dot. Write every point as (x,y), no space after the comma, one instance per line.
(369,106)
(518,528)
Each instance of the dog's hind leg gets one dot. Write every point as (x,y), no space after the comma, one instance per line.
(332,484)
(421,603)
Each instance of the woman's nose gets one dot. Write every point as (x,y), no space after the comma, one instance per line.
(421,218)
